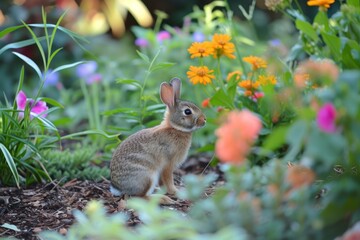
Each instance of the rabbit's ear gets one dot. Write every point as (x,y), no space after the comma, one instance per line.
(167,94)
(176,84)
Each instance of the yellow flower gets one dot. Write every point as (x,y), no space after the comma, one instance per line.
(202,75)
(201,49)
(222,45)
(267,80)
(256,62)
(236,73)
(320,3)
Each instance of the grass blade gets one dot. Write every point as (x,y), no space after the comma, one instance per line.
(30,62)
(10,162)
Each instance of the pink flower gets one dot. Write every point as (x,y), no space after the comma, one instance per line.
(35,108)
(353,233)
(326,118)
(163,35)
(236,136)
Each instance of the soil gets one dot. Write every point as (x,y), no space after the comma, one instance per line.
(50,206)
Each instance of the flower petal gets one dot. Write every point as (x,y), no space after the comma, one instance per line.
(21,100)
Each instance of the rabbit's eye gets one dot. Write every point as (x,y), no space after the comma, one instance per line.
(187,111)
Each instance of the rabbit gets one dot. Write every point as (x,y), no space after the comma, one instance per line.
(150,156)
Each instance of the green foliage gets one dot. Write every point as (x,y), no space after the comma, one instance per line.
(70,164)
(23,138)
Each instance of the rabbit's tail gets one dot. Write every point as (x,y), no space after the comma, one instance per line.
(116,192)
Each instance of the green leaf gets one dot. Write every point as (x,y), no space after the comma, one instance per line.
(90,132)
(11,227)
(349,62)
(322,20)
(334,44)
(143,56)
(10,162)
(130,82)
(51,101)
(160,66)
(9,30)
(19,44)
(276,139)
(127,111)
(47,123)
(354,3)
(307,29)
(63,67)
(222,99)
(295,137)
(30,62)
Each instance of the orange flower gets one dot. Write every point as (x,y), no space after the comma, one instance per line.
(249,85)
(222,45)
(236,73)
(256,62)
(200,49)
(206,103)
(320,3)
(202,75)
(267,80)
(299,176)
(236,136)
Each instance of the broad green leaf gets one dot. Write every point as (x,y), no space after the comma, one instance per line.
(63,67)
(307,29)
(222,99)
(89,132)
(354,3)
(160,66)
(130,82)
(51,101)
(30,62)
(350,50)
(19,44)
(143,56)
(295,137)
(276,139)
(10,162)
(334,44)
(322,20)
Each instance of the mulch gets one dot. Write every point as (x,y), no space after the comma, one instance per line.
(50,206)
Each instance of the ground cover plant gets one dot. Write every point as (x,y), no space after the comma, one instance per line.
(282,133)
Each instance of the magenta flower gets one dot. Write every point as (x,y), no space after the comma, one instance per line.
(163,35)
(326,118)
(141,42)
(35,108)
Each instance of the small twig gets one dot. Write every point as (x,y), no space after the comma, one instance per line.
(207,165)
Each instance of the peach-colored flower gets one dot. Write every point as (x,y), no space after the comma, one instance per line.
(299,176)
(236,136)
(316,73)
(353,233)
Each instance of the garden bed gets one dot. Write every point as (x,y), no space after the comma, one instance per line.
(50,206)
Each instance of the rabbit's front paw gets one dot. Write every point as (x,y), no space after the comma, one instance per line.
(172,190)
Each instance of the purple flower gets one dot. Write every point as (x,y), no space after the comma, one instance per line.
(51,78)
(35,108)
(141,42)
(163,35)
(94,78)
(198,37)
(326,118)
(86,69)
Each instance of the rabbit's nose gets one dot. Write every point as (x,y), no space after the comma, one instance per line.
(201,120)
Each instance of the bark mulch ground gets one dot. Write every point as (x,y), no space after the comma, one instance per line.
(50,206)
